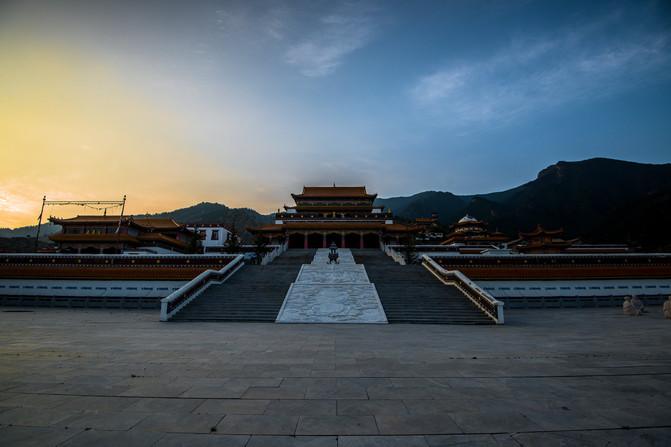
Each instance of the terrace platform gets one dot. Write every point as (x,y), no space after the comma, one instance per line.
(548,377)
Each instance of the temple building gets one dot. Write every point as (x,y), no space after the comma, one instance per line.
(115,234)
(430,229)
(344,215)
(471,231)
(541,240)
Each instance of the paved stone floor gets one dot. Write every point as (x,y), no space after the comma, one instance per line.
(121,378)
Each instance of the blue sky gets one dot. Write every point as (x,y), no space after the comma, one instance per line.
(462,96)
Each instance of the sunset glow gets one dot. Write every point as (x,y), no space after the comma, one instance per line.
(238,103)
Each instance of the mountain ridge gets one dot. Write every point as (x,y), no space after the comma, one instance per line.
(598,199)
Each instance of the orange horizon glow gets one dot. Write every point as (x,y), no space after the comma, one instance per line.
(72,130)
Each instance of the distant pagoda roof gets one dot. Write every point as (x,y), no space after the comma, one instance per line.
(468,219)
(540,231)
(334,192)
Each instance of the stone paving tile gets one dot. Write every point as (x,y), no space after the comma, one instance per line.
(35,436)
(95,403)
(274,393)
(214,392)
(196,440)
(165,405)
(633,417)
(359,407)
(302,407)
(258,424)
(156,390)
(408,392)
(493,421)
(382,441)
(462,441)
(101,438)
(232,388)
(107,420)
(458,402)
(293,441)
(232,406)
(337,425)
(80,389)
(179,423)
(638,437)
(549,369)
(416,424)
(42,401)
(32,417)
(569,420)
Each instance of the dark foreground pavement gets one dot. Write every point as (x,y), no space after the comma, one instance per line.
(121,378)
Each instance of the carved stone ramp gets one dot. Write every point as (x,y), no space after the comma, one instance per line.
(332,293)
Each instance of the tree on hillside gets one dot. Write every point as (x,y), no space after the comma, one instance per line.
(260,248)
(408,249)
(232,244)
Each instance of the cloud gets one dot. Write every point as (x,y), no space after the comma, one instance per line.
(543,73)
(337,36)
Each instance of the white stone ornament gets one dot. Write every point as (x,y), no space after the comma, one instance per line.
(332,293)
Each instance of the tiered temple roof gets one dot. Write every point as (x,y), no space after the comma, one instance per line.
(541,240)
(471,231)
(345,215)
(118,233)
(334,192)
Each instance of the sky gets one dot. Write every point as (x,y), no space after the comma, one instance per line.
(177,102)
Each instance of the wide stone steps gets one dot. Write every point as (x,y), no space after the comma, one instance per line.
(411,294)
(253,294)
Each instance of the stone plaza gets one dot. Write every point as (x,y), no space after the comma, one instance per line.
(121,378)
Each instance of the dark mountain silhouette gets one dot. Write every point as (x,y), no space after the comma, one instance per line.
(599,200)
(207,212)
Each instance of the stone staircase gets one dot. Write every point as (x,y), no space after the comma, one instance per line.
(254,293)
(411,294)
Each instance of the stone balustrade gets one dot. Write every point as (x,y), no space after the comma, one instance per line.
(174,302)
(483,300)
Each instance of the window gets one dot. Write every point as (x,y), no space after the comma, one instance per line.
(215,235)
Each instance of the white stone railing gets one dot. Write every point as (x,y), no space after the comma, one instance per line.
(391,251)
(176,301)
(492,307)
(275,252)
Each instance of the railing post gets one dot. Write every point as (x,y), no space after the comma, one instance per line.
(164,311)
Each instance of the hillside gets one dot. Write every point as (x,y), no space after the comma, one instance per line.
(600,200)
(207,212)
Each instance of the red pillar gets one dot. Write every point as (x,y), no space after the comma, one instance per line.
(305,240)
(323,240)
(342,240)
(360,240)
